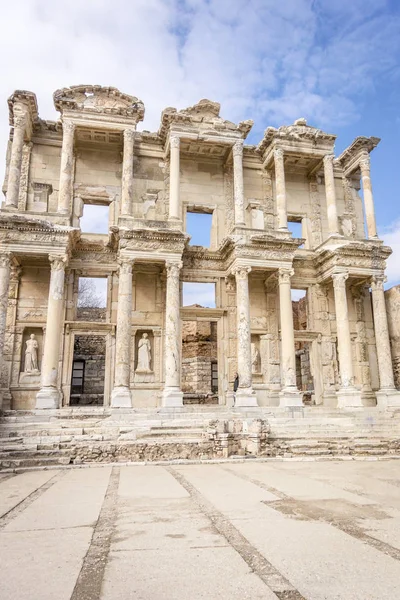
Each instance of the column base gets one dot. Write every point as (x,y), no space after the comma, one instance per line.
(245,397)
(121,398)
(349,398)
(172,398)
(290,397)
(48,397)
(389,398)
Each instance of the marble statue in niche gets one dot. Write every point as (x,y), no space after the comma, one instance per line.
(255,358)
(31,355)
(144,355)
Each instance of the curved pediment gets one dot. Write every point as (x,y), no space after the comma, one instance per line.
(99,100)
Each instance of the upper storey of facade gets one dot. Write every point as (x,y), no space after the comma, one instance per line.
(195,162)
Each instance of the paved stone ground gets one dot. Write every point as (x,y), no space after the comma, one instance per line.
(257,530)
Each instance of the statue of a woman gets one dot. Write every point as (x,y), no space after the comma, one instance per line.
(255,358)
(144,355)
(31,352)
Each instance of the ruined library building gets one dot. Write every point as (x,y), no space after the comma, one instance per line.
(292,268)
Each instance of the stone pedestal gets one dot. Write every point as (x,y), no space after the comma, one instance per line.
(348,396)
(368,197)
(172,395)
(49,395)
(245,395)
(127,173)
(289,394)
(121,395)
(66,168)
(387,396)
(280,187)
(237,152)
(330,191)
(174,180)
(14,174)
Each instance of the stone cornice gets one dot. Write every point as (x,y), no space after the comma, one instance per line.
(27,99)
(358,257)
(299,133)
(350,157)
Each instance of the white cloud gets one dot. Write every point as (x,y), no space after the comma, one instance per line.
(391,237)
(199,293)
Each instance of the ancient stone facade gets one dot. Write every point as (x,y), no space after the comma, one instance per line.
(195,162)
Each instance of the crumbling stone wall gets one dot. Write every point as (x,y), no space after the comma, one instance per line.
(92,350)
(199,351)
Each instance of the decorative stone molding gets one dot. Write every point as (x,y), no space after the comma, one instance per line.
(5,259)
(285,275)
(173,268)
(174,141)
(237,148)
(241,271)
(125,265)
(339,280)
(58,263)
(377,282)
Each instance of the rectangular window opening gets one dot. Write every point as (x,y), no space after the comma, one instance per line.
(198,226)
(299,306)
(94,218)
(92,299)
(295,226)
(200,295)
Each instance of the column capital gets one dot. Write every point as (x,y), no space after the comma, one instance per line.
(174,141)
(278,153)
(129,135)
(241,271)
(328,159)
(125,265)
(365,162)
(20,121)
(5,259)
(58,263)
(68,126)
(339,280)
(237,148)
(173,268)
(377,282)
(285,274)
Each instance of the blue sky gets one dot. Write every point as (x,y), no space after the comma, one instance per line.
(335,62)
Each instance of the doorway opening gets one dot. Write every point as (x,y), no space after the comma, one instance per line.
(304,374)
(88,370)
(199,362)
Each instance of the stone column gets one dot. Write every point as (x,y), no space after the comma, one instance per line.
(121,395)
(172,394)
(49,395)
(280,189)
(5,269)
(174,180)
(348,396)
(289,395)
(14,173)
(127,173)
(368,197)
(330,191)
(237,152)
(387,395)
(245,396)
(66,169)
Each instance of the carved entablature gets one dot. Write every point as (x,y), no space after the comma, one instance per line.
(152,243)
(23,104)
(34,236)
(359,259)
(262,249)
(350,158)
(203,118)
(95,99)
(299,138)
(201,259)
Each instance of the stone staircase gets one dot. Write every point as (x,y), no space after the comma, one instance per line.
(97,434)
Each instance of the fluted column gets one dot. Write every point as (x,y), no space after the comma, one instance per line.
(348,396)
(172,394)
(127,173)
(174,179)
(121,395)
(238,188)
(5,269)
(245,396)
(365,168)
(330,191)
(290,395)
(66,168)
(383,351)
(14,173)
(280,187)
(49,395)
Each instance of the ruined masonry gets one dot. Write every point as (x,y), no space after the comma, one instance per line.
(335,354)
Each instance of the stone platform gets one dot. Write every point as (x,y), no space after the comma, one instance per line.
(92,434)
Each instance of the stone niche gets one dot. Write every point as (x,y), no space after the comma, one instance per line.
(256,358)
(41,194)
(31,357)
(144,356)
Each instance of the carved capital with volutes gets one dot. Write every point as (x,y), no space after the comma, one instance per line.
(174,141)
(5,259)
(278,154)
(285,274)
(377,283)
(68,127)
(173,268)
(241,272)
(237,148)
(339,280)
(20,121)
(58,263)
(365,163)
(125,265)
(328,160)
(129,136)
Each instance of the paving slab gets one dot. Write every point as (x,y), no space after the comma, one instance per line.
(15,489)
